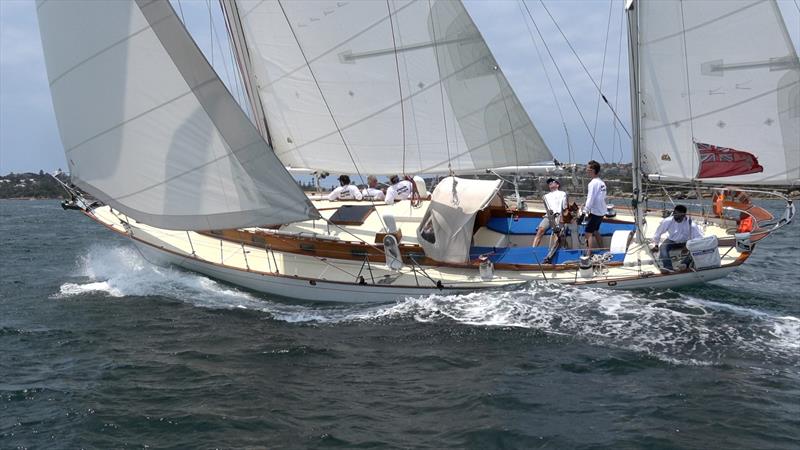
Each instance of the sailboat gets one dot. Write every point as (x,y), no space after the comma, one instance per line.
(404,86)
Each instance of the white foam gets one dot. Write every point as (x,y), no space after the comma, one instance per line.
(72,289)
(678,330)
(786,330)
(119,271)
(672,327)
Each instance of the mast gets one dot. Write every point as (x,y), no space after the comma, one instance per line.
(633,60)
(242,54)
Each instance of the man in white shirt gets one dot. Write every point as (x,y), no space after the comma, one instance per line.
(372,192)
(595,206)
(679,229)
(399,190)
(345,191)
(555,202)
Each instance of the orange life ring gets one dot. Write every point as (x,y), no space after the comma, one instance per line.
(717,201)
(729,197)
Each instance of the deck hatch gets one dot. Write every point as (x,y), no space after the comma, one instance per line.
(351,214)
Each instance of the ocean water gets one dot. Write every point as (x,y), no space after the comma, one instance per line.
(99,349)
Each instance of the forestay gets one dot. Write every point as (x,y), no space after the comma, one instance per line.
(720,89)
(149,128)
(331,76)
(445,232)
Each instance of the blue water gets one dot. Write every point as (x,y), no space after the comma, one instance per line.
(99,349)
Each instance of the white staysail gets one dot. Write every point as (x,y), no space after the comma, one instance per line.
(719,92)
(345,87)
(150,129)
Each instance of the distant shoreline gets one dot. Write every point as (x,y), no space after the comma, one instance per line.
(31,198)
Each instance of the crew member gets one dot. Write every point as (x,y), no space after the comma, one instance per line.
(399,190)
(595,206)
(555,202)
(345,191)
(679,229)
(372,192)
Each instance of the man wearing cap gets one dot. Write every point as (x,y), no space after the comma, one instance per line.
(679,230)
(372,192)
(555,202)
(399,190)
(345,191)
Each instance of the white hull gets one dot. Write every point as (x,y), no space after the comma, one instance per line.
(322,291)
(288,286)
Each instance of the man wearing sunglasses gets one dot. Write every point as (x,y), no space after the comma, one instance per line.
(678,229)
(555,202)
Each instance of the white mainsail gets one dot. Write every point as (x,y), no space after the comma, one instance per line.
(719,87)
(150,129)
(346,88)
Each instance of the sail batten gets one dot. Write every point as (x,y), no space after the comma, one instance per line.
(328,79)
(150,129)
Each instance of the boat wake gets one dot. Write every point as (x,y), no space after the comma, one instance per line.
(670,326)
(120,271)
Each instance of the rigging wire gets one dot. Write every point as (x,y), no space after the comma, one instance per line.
(325,100)
(376,248)
(319,88)
(508,115)
(564,81)
(441,88)
(412,111)
(180,8)
(603,73)
(549,82)
(238,54)
(238,77)
(585,69)
(688,86)
(616,133)
(210,31)
(399,85)
(215,36)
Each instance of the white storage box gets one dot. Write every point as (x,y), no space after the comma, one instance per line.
(705,252)
(620,240)
(485,237)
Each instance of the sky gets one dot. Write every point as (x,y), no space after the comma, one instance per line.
(29,139)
